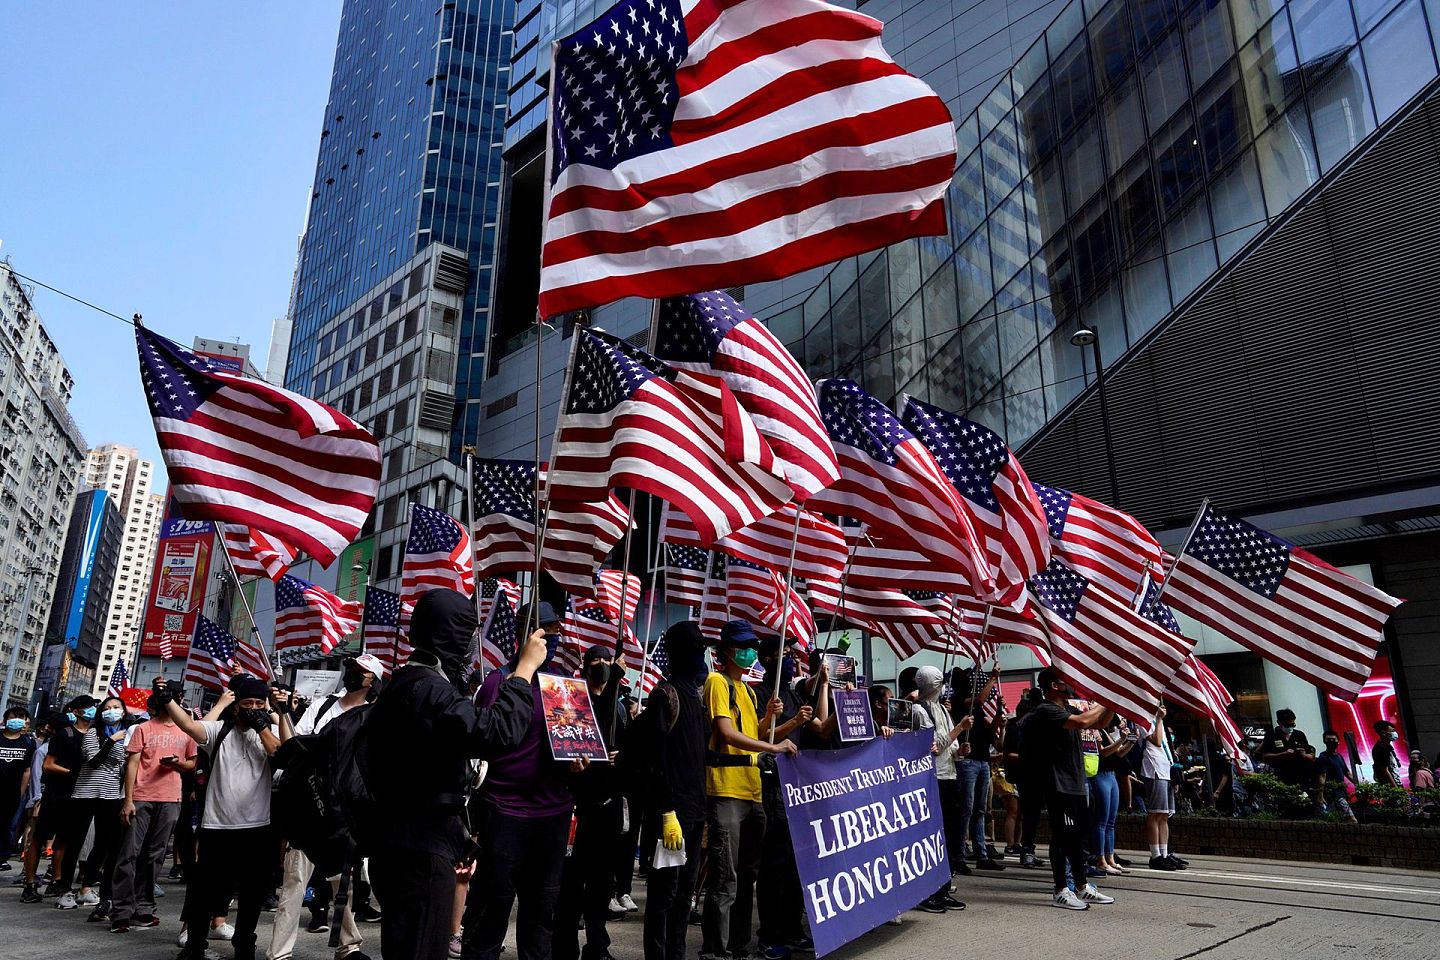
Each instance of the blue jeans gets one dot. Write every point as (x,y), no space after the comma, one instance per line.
(973,779)
(1104,806)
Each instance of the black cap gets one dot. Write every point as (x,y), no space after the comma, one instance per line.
(597,652)
(544,616)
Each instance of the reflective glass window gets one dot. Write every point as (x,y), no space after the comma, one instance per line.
(1055,259)
(1074,89)
(972,266)
(1069,24)
(1062,368)
(1150,19)
(907,338)
(1024,400)
(1049,197)
(1035,119)
(940,310)
(904,271)
(982,358)
(846,321)
(1002,162)
(1399,58)
(1208,42)
(1094,246)
(879,376)
(1370,12)
(1124,122)
(1190,248)
(1246,16)
(1270,72)
(1030,68)
(1084,168)
(874,298)
(1322,27)
(946,375)
(1238,205)
(819,351)
(1287,158)
(788,325)
(1105,314)
(967,197)
(1221,118)
(1146,288)
(1137,215)
(817,305)
(1163,70)
(1009,245)
(1340,108)
(1178,167)
(1110,43)
(1015,316)
(995,107)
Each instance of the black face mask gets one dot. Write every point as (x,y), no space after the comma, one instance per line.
(598,672)
(353,679)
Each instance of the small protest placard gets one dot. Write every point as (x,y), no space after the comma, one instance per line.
(852,715)
(570,719)
(841,667)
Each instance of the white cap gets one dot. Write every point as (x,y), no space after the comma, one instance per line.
(371,664)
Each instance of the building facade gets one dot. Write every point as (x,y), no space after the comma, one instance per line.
(80,612)
(119,471)
(41,450)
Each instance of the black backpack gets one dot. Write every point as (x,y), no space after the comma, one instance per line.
(315,800)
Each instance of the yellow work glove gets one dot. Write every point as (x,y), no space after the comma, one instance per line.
(670,831)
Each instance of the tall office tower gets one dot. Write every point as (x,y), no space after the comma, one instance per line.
(75,630)
(119,471)
(41,450)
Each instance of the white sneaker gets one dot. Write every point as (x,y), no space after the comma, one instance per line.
(222,932)
(1067,900)
(66,902)
(1091,895)
(615,906)
(183,939)
(88,899)
(628,903)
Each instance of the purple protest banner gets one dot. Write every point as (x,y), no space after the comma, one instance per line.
(866,826)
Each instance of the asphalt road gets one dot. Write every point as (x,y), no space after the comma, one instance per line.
(1220,909)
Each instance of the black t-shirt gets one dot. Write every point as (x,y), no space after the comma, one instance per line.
(1114,763)
(1292,769)
(1058,767)
(15,757)
(65,751)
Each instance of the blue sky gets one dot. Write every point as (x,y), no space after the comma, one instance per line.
(157,159)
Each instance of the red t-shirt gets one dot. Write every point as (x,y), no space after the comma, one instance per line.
(155,781)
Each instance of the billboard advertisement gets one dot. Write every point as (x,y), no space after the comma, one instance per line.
(85,568)
(177,586)
(1355,722)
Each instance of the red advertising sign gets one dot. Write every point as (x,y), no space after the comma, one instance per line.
(177,586)
(1355,722)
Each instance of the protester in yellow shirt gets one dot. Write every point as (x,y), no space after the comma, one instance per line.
(732,786)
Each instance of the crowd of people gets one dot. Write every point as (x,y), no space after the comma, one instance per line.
(428,801)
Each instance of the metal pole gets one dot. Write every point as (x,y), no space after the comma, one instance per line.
(1105,421)
(249,614)
(470,525)
(542,513)
(19,635)
(785,605)
(648,646)
(1194,526)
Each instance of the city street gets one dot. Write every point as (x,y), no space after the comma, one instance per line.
(1220,909)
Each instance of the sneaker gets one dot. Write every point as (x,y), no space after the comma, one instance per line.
(1029,861)
(950,903)
(962,868)
(66,901)
(774,952)
(120,926)
(1014,850)
(1066,900)
(101,912)
(992,853)
(87,898)
(183,939)
(1124,863)
(1091,895)
(804,944)
(30,894)
(176,873)
(223,932)
(988,864)
(628,902)
(1180,862)
(144,921)
(1162,863)
(157,891)
(318,923)
(615,906)
(367,913)
(53,889)
(1094,871)
(5,866)
(930,906)
(454,950)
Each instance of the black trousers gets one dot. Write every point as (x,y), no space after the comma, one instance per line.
(667,898)
(521,858)
(228,860)
(109,831)
(416,891)
(1032,802)
(778,896)
(625,856)
(586,882)
(1069,825)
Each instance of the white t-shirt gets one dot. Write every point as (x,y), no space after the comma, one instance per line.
(1156,763)
(314,721)
(237,795)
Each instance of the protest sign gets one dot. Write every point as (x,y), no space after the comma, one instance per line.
(570,719)
(316,684)
(852,715)
(841,668)
(866,826)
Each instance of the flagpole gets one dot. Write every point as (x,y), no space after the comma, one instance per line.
(785,606)
(245,602)
(470,524)
(839,613)
(1170,572)
(648,646)
(543,513)
(705,585)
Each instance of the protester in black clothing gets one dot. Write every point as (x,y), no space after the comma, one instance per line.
(420,731)
(672,737)
(587,882)
(1020,770)
(17,752)
(57,776)
(1287,750)
(1332,772)
(1384,763)
(1053,734)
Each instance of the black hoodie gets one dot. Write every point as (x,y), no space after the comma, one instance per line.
(677,729)
(422,730)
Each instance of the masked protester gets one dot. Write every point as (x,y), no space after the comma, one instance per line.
(58,775)
(928,713)
(1383,761)
(17,753)
(422,729)
(587,879)
(670,736)
(527,800)
(735,810)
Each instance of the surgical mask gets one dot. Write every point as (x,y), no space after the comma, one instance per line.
(552,643)
(112,716)
(1284,729)
(1331,744)
(70,716)
(14,724)
(1393,735)
(88,713)
(745,657)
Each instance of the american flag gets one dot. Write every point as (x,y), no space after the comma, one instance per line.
(491,588)
(819,552)
(381,631)
(310,621)
(437,555)
(589,623)
(715,601)
(711,333)
(215,653)
(614,587)
(1112,549)
(629,420)
(167,646)
(1282,602)
(878,561)
(757,594)
(700,144)
(909,620)
(891,483)
(1003,505)
(1005,625)
(256,554)
(655,668)
(578,536)
(497,636)
(119,679)
(685,569)
(241,451)
(1103,647)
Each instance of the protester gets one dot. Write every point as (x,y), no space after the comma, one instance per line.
(1053,736)
(1333,772)
(1158,764)
(1384,762)
(1020,770)
(929,714)
(972,769)
(17,753)
(45,733)
(1285,750)
(155,754)
(735,810)
(96,801)
(1421,776)
(587,878)
(421,731)
(58,775)
(1104,789)
(672,733)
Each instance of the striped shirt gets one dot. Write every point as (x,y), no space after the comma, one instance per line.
(100,776)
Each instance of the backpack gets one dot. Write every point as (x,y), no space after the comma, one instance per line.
(314,803)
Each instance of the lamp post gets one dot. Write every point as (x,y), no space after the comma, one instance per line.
(1088,337)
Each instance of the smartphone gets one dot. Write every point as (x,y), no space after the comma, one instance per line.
(169,760)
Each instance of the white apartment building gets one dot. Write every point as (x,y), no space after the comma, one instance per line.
(41,451)
(129,480)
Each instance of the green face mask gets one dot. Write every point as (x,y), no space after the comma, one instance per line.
(745,657)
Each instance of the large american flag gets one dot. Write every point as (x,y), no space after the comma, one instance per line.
(1110,548)
(685,569)
(382,633)
(631,421)
(437,555)
(819,550)
(1282,602)
(119,679)
(578,536)
(708,143)
(757,594)
(1006,513)
(891,483)
(244,452)
(497,634)
(214,654)
(878,561)
(909,620)
(309,620)
(256,554)
(711,333)
(1104,647)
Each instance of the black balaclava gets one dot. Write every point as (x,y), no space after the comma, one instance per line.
(442,627)
(685,650)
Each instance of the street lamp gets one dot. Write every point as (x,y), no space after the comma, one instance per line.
(1088,337)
